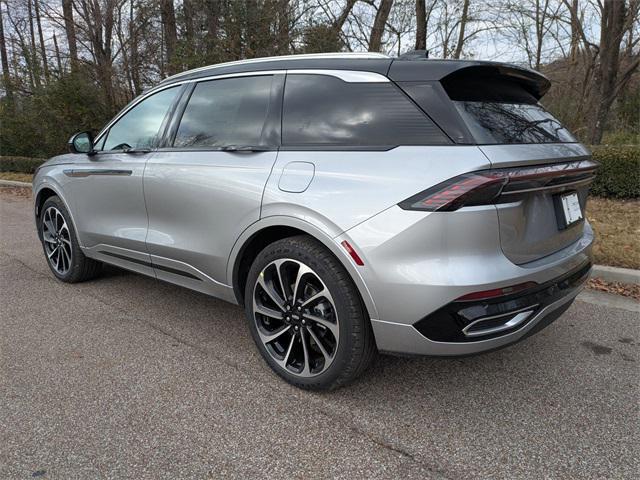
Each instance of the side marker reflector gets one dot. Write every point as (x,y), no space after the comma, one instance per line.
(352,252)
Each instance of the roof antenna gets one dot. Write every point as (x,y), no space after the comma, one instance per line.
(426,54)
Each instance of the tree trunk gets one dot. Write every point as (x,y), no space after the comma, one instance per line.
(463,24)
(375,40)
(43,52)
(70,30)
(35,64)
(212,16)
(284,30)
(421,25)
(58,59)
(6,75)
(135,73)
(611,33)
(189,29)
(339,23)
(168,17)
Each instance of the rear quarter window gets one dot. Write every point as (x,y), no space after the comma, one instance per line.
(326,111)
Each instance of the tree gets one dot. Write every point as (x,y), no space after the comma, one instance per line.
(421,25)
(615,15)
(70,30)
(6,76)
(168,17)
(375,40)
(464,18)
(43,52)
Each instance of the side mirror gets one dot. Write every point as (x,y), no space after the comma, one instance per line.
(81,143)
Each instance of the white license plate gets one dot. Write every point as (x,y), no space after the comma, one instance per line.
(571,208)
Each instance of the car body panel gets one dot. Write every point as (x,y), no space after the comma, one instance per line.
(418,261)
(349,187)
(320,233)
(199,202)
(109,201)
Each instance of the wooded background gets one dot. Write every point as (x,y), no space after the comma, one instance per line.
(70,65)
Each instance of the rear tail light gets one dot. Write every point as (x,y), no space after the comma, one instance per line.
(479,188)
(484,187)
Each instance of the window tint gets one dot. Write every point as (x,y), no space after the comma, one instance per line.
(225,112)
(138,128)
(325,110)
(500,110)
(498,122)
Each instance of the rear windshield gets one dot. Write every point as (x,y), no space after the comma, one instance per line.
(501,111)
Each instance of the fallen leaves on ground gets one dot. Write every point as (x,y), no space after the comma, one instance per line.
(624,289)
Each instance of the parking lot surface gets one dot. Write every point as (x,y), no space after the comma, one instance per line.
(127,377)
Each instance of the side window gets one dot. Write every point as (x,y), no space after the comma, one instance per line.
(225,112)
(139,127)
(325,110)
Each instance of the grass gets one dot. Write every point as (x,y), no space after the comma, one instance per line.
(616,223)
(617,227)
(18,177)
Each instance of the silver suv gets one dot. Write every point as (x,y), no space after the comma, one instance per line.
(351,203)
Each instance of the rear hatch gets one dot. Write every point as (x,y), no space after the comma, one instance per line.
(542,211)
(541,208)
(543,171)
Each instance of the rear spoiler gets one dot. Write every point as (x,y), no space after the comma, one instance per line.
(414,70)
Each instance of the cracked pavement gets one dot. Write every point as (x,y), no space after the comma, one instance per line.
(128,377)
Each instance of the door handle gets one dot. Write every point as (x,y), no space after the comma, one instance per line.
(81,173)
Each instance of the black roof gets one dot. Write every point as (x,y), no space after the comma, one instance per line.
(402,69)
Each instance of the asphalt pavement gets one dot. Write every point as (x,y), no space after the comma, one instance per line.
(128,377)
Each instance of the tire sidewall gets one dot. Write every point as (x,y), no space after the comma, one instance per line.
(347,318)
(76,254)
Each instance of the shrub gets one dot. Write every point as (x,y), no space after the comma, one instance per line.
(20,164)
(619,172)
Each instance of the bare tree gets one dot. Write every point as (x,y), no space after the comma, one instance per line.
(375,40)
(615,15)
(464,18)
(43,52)
(70,30)
(6,76)
(421,25)
(168,18)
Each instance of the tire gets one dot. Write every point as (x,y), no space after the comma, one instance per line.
(60,244)
(321,334)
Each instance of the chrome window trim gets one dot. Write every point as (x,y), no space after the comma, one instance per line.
(350,76)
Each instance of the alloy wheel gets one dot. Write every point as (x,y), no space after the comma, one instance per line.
(296,317)
(57,240)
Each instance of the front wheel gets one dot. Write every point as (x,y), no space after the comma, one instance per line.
(60,244)
(306,315)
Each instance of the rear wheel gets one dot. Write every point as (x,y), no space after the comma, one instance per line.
(60,244)
(306,315)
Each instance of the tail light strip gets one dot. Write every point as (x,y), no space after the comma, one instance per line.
(484,187)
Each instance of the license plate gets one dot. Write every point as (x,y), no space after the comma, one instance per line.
(570,209)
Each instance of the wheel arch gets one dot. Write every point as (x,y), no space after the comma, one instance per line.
(271,229)
(44,191)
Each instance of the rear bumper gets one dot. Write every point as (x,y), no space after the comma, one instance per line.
(543,304)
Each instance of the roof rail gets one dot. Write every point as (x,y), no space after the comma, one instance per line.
(335,55)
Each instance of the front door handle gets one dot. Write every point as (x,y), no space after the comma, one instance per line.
(81,173)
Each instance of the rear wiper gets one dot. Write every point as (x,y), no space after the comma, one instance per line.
(244,148)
